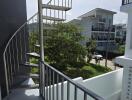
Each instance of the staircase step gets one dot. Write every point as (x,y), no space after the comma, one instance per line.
(30,65)
(53,18)
(37,45)
(28,86)
(54,7)
(49,28)
(33,54)
(28,76)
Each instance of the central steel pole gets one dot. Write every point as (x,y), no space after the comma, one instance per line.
(41,39)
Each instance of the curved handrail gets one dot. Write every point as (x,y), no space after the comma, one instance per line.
(21,28)
(49,2)
(17,32)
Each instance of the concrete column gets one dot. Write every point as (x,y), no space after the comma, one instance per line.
(128,50)
(126,60)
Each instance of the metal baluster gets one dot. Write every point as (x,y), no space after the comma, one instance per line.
(62,89)
(68,3)
(65,6)
(85,96)
(10,65)
(7,66)
(43,82)
(75,94)
(17,54)
(49,84)
(21,48)
(25,45)
(50,15)
(54,11)
(68,90)
(13,53)
(53,82)
(57,87)
(6,74)
(58,10)
(62,11)
(71,3)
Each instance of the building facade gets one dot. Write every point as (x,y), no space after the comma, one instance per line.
(120,33)
(98,25)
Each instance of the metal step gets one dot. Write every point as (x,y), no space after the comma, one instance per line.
(54,7)
(33,54)
(53,18)
(28,76)
(30,65)
(28,86)
(49,28)
(37,45)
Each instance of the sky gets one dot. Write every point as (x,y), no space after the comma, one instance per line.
(82,6)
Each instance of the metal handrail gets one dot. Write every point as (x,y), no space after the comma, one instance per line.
(81,87)
(8,45)
(18,31)
(21,28)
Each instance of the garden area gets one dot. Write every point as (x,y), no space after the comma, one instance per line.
(64,50)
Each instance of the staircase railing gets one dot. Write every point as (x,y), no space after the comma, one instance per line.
(16,49)
(58,86)
(124,2)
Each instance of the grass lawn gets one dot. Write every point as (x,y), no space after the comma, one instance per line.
(86,71)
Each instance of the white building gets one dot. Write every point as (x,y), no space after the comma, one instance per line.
(120,33)
(98,25)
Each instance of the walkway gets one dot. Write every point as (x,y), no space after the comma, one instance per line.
(109,63)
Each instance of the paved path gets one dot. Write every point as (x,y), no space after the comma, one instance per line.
(109,63)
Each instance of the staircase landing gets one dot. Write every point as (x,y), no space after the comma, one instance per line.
(24,94)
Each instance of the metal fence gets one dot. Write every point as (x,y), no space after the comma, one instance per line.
(57,86)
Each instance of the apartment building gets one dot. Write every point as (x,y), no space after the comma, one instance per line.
(97,25)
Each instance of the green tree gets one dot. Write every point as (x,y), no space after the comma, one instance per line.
(91,47)
(63,48)
(121,49)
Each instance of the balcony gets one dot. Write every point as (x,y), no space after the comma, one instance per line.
(103,29)
(107,86)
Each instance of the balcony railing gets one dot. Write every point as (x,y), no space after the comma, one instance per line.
(103,29)
(124,2)
(57,86)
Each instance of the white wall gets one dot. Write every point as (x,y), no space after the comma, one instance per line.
(108,85)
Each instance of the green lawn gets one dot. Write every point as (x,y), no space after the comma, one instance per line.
(86,71)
